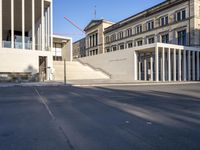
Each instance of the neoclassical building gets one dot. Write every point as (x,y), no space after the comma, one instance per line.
(165,41)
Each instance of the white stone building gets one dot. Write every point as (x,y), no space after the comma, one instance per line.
(26,38)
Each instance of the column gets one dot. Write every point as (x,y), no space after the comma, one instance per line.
(135,65)
(23,25)
(51,34)
(139,67)
(33,24)
(189,66)
(145,67)
(42,27)
(169,64)
(179,66)
(163,64)
(12,24)
(156,64)
(1,29)
(184,65)
(151,62)
(198,66)
(48,23)
(193,65)
(174,64)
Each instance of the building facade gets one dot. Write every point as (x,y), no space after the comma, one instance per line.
(26,39)
(95,36)
(164,42)
(79,48)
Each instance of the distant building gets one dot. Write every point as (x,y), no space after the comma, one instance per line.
(95,36)
(164,41)
(79,48)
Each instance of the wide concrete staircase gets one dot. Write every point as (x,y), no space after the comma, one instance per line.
(77,71)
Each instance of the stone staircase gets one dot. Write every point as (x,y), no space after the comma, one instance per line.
(77,71)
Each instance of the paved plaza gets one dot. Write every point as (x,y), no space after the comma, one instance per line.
(146,117)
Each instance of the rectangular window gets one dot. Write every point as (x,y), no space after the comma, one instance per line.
(114,48)
(165,38)
(113,37)
(138,29)
(128,32)
(121,46)
(107,39)
(164,21)
(181,15)
(150,25)
(139,43)
(120,35)
(151,40)
(182,37)
(130,44)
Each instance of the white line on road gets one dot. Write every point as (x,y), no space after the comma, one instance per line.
(44,101)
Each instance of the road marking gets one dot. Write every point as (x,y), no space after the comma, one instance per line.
(44,102)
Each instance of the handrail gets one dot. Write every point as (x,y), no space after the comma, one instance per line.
(97,69)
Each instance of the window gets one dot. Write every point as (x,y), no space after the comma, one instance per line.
(150,25)
(128,32)
(138,29)
(164,21)
(121,46)
(120,35)
(182,37)
(108,50)
(107,39)
(114,48)
(165,38)
(130,44)
(139,43)
(180,15)
(113,38)
(151,40)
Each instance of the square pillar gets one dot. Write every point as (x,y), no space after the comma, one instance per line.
(151,63)
(193,66)
(184,65)
(12,24)
(189,66)
(33,24)
(139,69)
(51,16)
(198,78)
(174,65)
(135,65)
(145,67)
(1,30)
(163,64)
(169,64)
(156,64)
(42,26)
(23,25)
(179,65)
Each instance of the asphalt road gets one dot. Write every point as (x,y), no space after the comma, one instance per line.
(100,118)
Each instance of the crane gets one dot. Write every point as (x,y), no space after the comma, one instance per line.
(74,24)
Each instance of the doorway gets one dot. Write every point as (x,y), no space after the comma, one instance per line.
(42,68)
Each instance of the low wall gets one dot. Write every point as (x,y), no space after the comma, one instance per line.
(18,60)
(119,64)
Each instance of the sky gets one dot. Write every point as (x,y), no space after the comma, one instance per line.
(81,12)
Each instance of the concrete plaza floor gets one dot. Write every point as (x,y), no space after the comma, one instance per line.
(161,117)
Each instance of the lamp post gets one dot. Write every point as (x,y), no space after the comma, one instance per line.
(64,57)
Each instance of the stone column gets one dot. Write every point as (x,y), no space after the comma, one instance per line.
(23,25)
(151,62)
(189,66)
(169,64)
(174,65)
(184,65)
(12,24)
(33,24)
(163,64)
(198,66)
(156,64)
(42,23)
(179,66)
(1,29)
(193,66)
(145,67)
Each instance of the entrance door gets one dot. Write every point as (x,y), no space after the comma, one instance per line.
(42,68)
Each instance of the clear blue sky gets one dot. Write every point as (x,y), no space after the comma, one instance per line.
(82,12)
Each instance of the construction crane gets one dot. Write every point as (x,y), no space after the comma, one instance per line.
(74,24)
